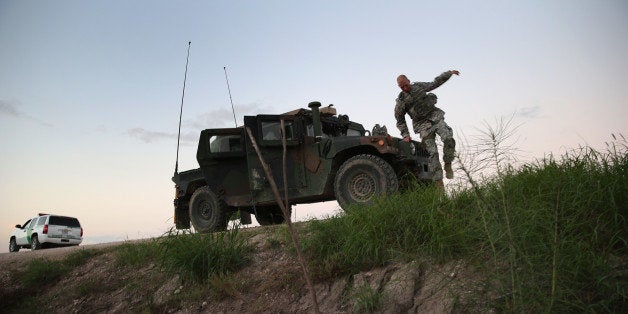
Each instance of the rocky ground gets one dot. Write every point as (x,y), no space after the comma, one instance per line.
(272,282)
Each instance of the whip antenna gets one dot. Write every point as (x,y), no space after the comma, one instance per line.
(231,99)
(185,77)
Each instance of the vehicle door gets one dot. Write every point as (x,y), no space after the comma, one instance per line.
(222,157)
(267,131)
(22,236)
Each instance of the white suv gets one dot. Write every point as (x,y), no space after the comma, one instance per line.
(46,230)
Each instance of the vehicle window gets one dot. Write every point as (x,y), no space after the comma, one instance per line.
(329,131)
(33,222)
(352,132)
(225,143)
(64,221)
(272,130)
(26,224)
(42,221)
(310,131)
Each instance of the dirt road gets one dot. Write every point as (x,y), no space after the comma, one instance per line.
(16,259)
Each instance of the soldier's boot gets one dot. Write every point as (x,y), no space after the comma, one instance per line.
(449,173)
(440,186)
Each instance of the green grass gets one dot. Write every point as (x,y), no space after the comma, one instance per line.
(41,271)
(554,232)
(197,257)
(366,299)
(80,256)
(200,256)
(39,274)
(137,253)
(399,227)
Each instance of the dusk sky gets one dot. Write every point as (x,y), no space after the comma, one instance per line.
(90,90)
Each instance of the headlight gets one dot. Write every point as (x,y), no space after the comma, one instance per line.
(412,148)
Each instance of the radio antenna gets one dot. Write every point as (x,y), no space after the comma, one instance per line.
(231,99)
(185,77)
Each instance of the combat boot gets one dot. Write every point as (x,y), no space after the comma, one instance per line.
(449,173)
(440,186)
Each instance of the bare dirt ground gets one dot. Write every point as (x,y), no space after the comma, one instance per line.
(271,282)
(24,255)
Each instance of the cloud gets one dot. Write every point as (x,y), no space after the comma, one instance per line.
(529,112)
(101,128)
(220,118)
(147,136)
(223,118)
(9,109)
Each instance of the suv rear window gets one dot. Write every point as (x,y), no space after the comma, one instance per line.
(64,221)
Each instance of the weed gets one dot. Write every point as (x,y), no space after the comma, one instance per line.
(90,286)
(199,256)
(224,286)
(274,243)
(80,256)
(137,253)
(366,299)
(41,272)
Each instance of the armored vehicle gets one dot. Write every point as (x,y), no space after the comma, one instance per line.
(328,158)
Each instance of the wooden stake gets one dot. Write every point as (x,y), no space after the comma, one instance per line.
(284,210)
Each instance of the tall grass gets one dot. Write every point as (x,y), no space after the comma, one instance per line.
(42,271)
(399,227)
(197,257)
(554,229)
(137,253)
(200,257)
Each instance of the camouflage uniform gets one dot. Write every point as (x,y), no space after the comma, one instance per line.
(427,121)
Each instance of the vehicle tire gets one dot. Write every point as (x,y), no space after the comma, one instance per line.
(13,247)
(360,178)
(269,215)
(208,212)
(35,245)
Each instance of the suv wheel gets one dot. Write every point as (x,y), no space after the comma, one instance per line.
(362,177)
(208,212)
(13,247)
(35,245)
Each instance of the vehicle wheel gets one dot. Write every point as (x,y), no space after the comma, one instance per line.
(362,177)
(208,212)
(35,245)
(269,215)
(13,247)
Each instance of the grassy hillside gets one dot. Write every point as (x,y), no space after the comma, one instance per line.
(548,236)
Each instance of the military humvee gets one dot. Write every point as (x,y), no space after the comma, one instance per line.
(329,157)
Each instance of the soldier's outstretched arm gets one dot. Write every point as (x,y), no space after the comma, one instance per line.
(441,79)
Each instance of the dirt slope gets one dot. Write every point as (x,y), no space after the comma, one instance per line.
(272,282)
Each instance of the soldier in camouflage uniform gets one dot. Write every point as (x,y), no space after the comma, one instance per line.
(427,121)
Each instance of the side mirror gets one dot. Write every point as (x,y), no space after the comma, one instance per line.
(18,226)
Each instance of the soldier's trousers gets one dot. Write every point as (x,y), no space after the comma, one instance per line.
(428,130)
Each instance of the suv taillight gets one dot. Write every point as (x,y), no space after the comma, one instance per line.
(81,231)
(45,229)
